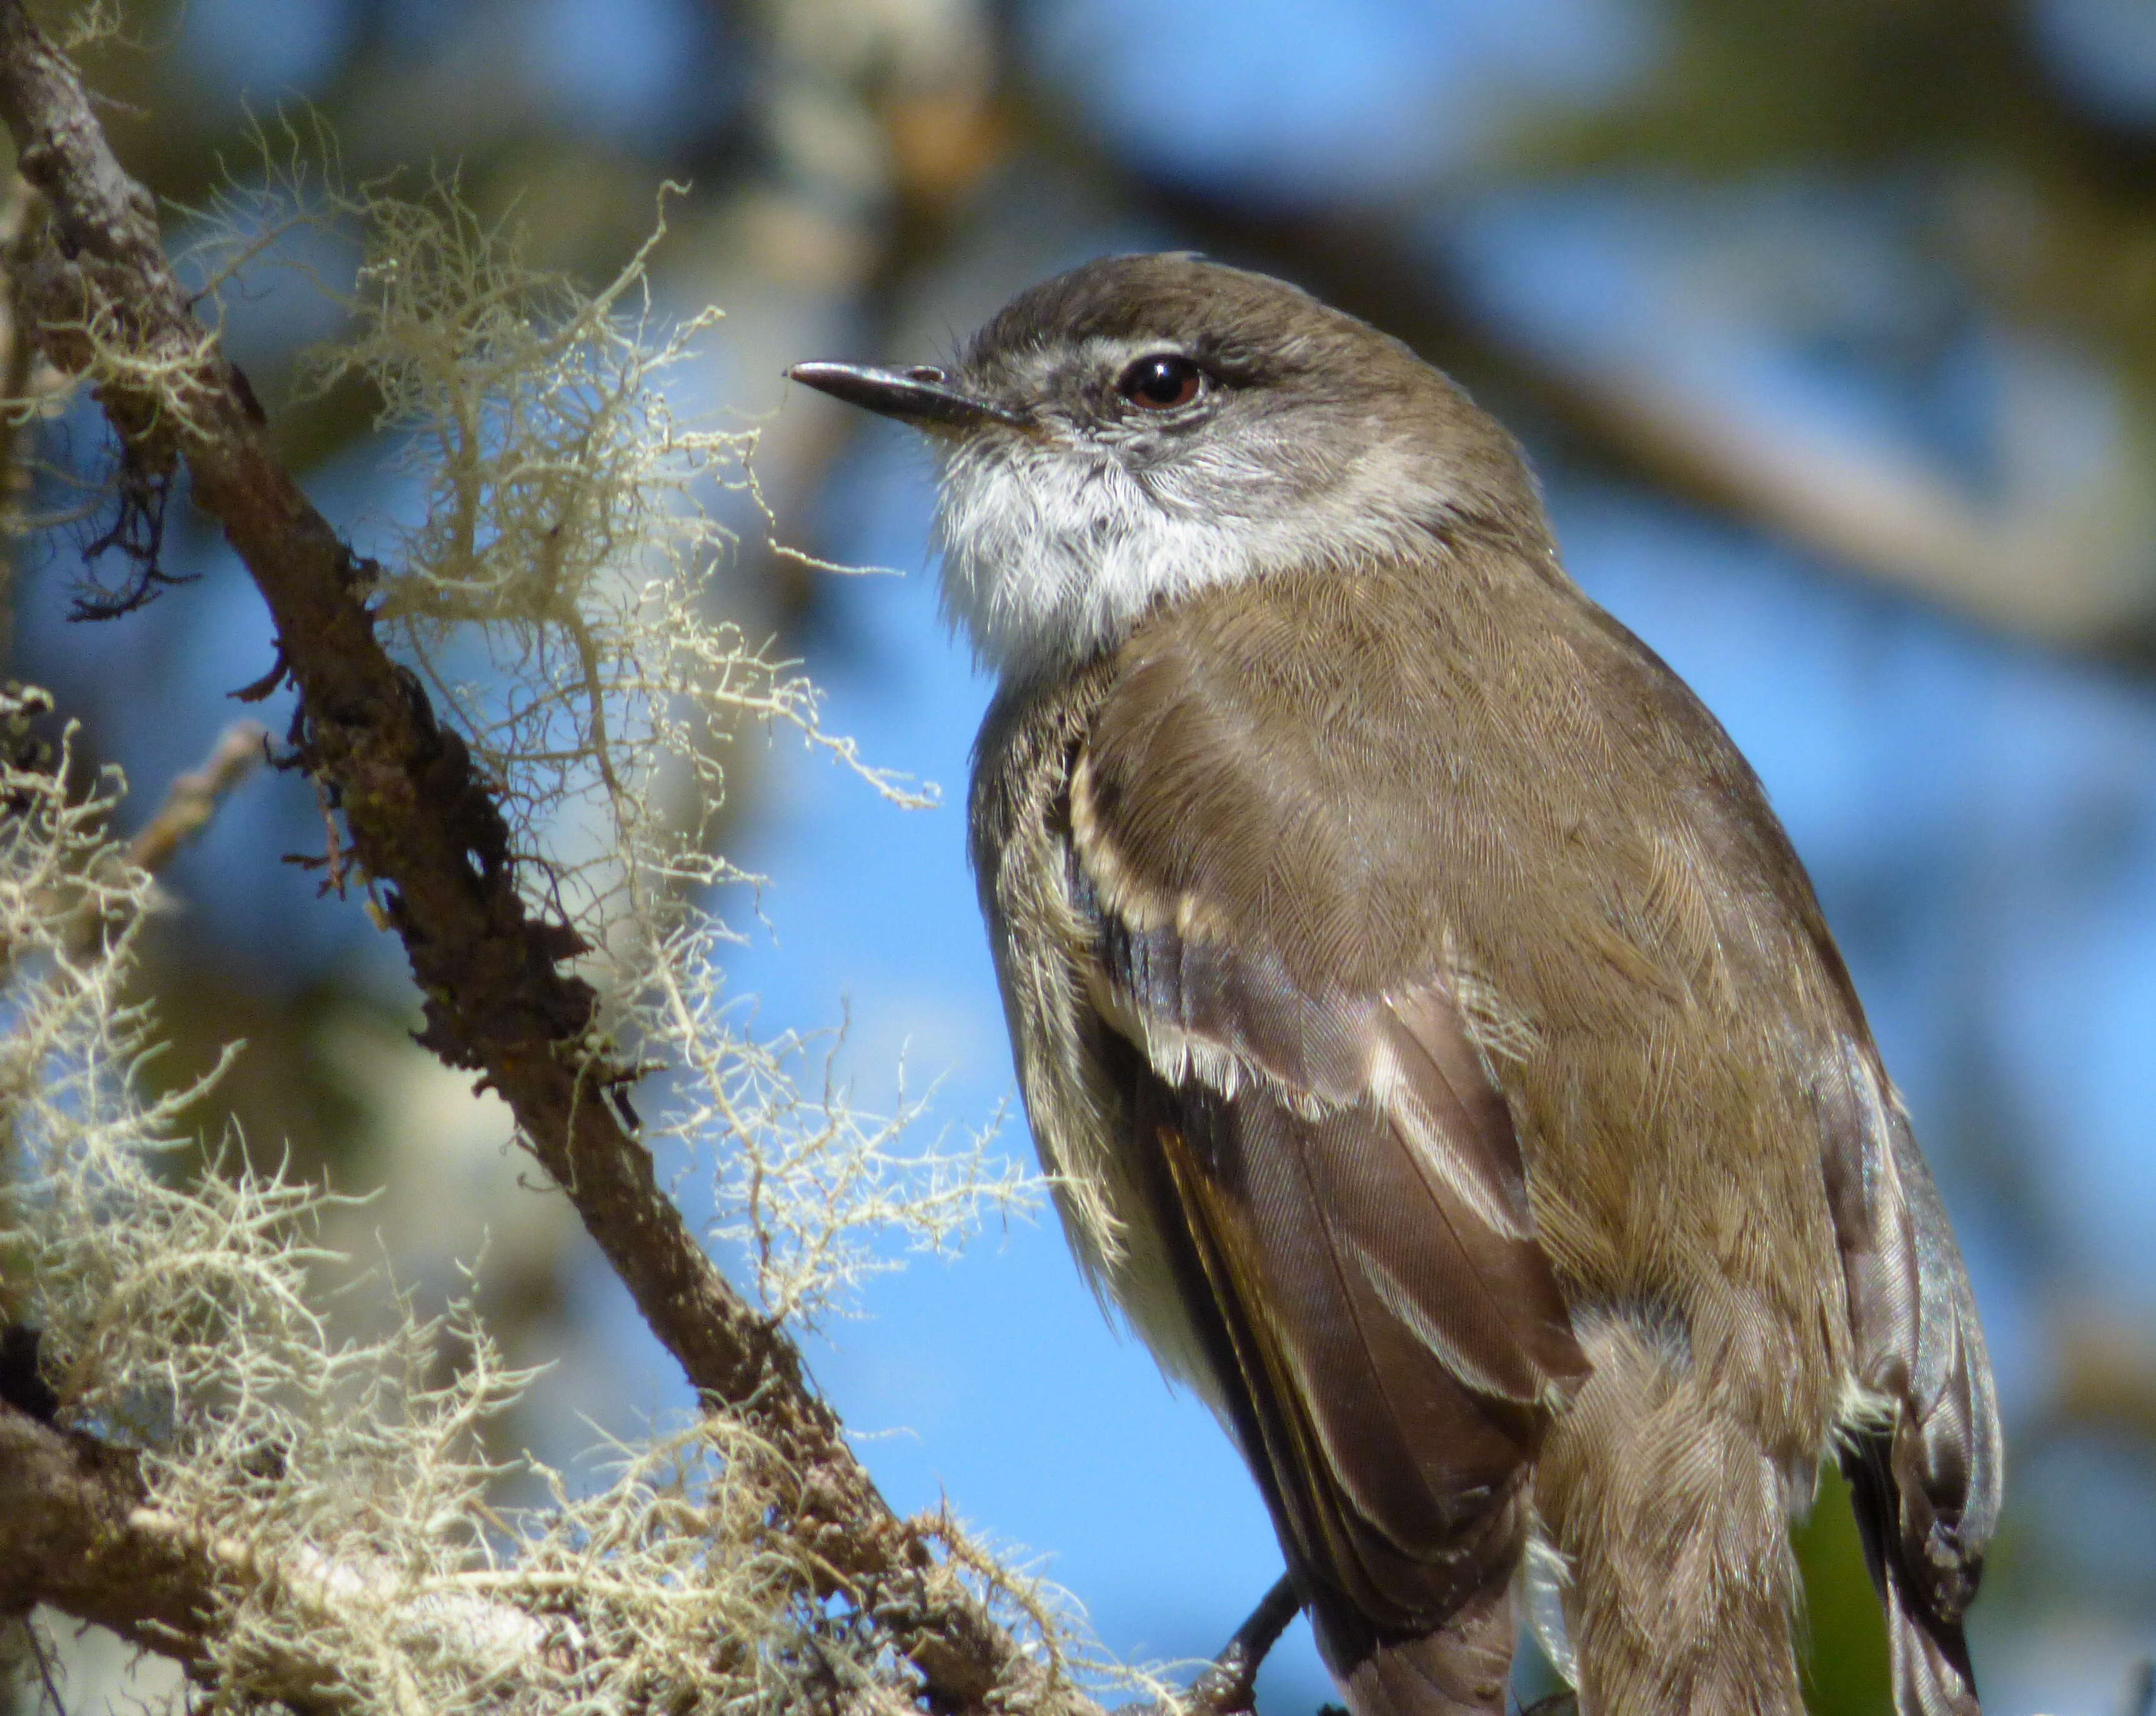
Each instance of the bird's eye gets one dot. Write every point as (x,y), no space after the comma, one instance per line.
(1161,383)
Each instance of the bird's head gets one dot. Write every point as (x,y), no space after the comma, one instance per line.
(1143,427)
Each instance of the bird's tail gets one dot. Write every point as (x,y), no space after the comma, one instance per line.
(1930,1664)
(1460,1669)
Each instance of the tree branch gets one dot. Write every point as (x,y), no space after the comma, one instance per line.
(104,301)
(74,1533)
(79,1530)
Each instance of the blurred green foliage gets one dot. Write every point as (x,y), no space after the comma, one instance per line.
(1845,1670)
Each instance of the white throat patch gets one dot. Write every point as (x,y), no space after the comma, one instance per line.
(1052,551)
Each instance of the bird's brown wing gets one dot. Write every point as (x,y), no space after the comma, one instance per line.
(1341,1191)
(1922,1456)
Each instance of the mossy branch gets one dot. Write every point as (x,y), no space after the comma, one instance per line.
(78,1530)
(425,826)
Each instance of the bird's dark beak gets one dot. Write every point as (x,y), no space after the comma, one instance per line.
(918,396)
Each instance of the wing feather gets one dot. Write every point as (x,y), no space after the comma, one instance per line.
(1921,1449)
(1348,1192)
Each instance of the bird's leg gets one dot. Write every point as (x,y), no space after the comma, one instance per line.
(1228,1687)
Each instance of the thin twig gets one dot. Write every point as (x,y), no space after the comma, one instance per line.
(190,801)
(1230,1687)
(192,797)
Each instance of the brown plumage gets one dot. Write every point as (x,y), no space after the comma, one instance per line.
(1443,1057)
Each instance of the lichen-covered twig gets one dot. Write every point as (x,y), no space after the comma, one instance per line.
(77,1531)
(425,826)
(74,1533)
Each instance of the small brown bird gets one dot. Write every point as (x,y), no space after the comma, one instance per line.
(1438,1051)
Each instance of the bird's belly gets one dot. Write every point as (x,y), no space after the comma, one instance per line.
(1693,1211)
